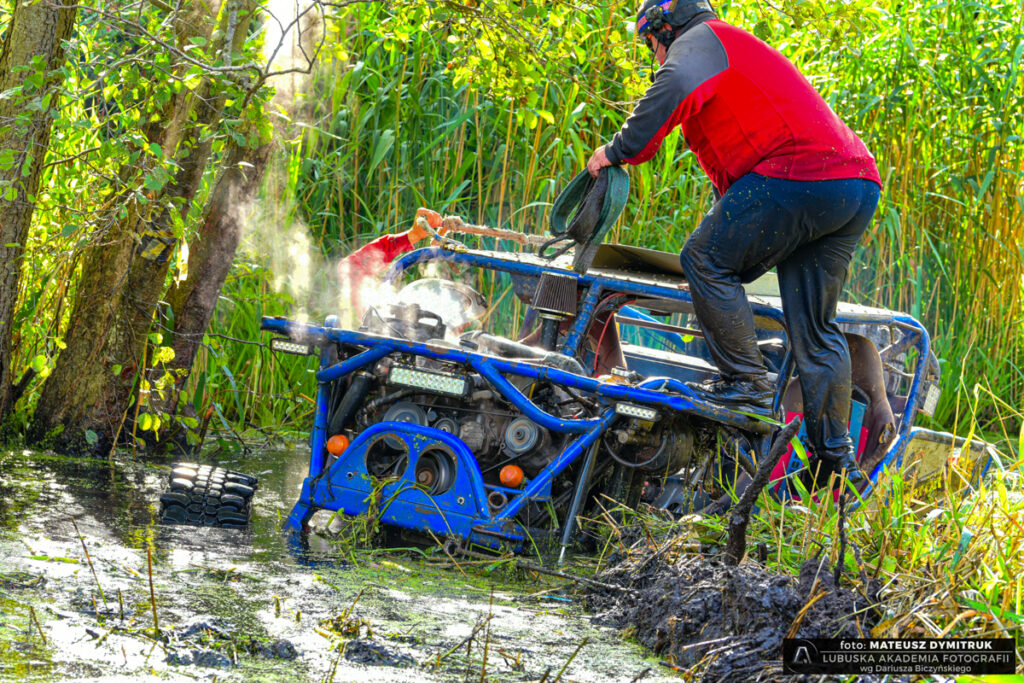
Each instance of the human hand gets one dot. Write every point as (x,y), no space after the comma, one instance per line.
(598,160)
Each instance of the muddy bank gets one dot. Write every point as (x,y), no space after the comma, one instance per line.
(255,605)
(727,623)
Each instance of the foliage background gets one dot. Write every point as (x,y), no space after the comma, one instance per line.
(486,109)
(435,106)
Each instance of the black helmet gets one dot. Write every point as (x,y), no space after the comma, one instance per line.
(655,14)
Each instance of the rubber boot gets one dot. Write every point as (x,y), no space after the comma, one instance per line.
(750,394)
(841,463)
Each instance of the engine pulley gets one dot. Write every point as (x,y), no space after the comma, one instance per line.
(521,436)
(404,411)
(446,424)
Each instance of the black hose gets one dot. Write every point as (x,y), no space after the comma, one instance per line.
(548,333)
(390,398)
(350,402)
(661,449)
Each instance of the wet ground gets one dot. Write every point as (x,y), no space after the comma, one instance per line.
(252,605)
(726,623)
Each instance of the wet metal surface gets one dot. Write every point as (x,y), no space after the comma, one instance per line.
(251,605)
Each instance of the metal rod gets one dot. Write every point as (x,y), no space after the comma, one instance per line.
(660,327)
(456,224)
(582,485)
(682,400)
(318,439)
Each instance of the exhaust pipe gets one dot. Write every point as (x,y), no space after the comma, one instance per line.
(497,500)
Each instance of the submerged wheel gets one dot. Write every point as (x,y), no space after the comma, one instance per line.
(202,495)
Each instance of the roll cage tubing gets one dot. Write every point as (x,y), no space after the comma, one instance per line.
(659,392)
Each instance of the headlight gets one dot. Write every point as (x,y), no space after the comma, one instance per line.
(281,345)
(639,412)
(434,381)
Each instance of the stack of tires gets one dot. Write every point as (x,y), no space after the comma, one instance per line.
(203,495)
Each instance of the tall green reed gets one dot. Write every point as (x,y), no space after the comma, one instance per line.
(934,89)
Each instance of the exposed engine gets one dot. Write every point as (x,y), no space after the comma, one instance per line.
(489,426)
(451,398)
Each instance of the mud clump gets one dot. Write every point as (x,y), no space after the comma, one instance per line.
(200,631)
(198,657)
(368,652)
(727,623)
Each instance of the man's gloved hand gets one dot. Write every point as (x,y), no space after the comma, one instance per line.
(433,218)
(598,160)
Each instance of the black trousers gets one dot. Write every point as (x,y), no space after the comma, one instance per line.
(808,230)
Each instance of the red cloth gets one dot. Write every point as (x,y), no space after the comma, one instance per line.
(369,259)
(366,263)
(756,114)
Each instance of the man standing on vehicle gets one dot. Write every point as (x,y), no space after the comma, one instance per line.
(796,189)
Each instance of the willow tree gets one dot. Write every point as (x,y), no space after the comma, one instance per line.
(198,103)
(33,51)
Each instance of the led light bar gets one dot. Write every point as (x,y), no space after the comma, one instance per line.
(931,400)
(639,412)
(429,380)
(281,345)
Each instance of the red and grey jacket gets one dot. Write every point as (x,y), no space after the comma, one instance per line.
(743,108)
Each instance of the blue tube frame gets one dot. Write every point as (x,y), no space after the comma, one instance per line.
(666,394)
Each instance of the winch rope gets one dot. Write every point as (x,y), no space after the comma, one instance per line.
(458,225)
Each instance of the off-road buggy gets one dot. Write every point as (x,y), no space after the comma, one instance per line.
(579,393)
(496,442)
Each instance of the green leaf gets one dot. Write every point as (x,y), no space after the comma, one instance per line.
(197,40)
(163,354)
(153,182)
(39,363)
(990,609)
(91,437)
(383,146)
(145,422)
(116,370)
(234,391)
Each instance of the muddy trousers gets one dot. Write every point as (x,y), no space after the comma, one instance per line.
(807,230)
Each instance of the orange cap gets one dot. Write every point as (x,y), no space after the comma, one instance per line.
(337,444)
(511,476)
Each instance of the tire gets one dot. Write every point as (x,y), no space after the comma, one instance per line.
(204,495)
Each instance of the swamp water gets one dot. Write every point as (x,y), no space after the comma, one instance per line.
(251,605)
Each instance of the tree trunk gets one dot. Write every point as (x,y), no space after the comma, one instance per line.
(210,260)
(36,30)
(102,398)
(193,301)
